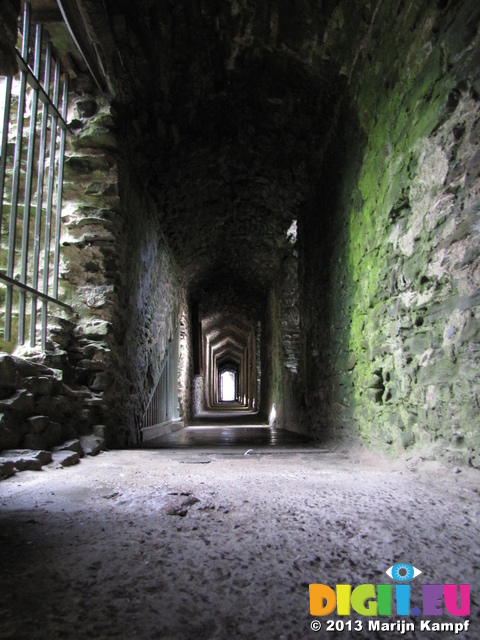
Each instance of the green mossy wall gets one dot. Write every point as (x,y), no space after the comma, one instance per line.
(392,348)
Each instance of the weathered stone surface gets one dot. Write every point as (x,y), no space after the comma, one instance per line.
(96,403)
(95,137)
(41,456)
(101,381)
(312,185)
(38,424)
(94,329)
(25,462)
(91,349)
(11,432)
(53,435)
(56,359)
(40,386)
(179,505)
(92,445)
(9,11)
(7,468)
(91,365)
(79,392)
(65,458)
(390,275)
(27,369)
(56,407)
(71,445)
(6,393)
(34,441)
(96,297)
(86,108)
(21,403)
(9,377)
(99,431)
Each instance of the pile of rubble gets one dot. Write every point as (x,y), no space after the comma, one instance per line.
(65,455)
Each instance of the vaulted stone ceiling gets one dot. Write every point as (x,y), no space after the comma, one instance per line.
(226,110)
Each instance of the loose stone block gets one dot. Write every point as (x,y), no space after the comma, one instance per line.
(9,378)
(7,468)
(71,445)
(65,458)
(92,445)
(27,463)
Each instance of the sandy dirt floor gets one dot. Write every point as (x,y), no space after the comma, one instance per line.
(152,544)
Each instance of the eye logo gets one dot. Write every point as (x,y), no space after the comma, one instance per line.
(402,572)
(373,600)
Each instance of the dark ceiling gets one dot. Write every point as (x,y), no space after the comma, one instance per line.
(225,111)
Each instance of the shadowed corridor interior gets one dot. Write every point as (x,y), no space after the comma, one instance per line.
(240,257)
(231,426)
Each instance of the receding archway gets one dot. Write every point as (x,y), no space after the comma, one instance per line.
(227,384)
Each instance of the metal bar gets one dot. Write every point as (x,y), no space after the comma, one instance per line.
(50,190)
(162,405)
(40,185)
(151,400)
(167,385)
(26,30)
(76,27)
(15,284)
(176,360)
(34,82)
(28,189)
(58,213)
(12,233)
(4,143)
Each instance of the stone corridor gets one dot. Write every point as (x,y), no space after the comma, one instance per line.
(286,195)
(239,256)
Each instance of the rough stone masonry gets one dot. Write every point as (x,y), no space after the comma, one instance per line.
(219,128)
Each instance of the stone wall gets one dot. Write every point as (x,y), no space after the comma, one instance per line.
(93,255)
(69,389)
(198,395)
(128,293)
(290,337)
(186,378)
(120,280)
(37,410)
(270,358)
(9,10)
(65,391)
(280,347)
(154,299)
(361,121)
(391,353)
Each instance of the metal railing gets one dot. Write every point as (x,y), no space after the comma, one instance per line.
(162,405)
(31,178)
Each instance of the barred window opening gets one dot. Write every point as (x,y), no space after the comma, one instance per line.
(33,108)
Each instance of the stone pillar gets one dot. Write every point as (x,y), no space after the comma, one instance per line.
(93,258)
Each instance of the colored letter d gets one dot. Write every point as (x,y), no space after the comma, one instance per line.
(322,600)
